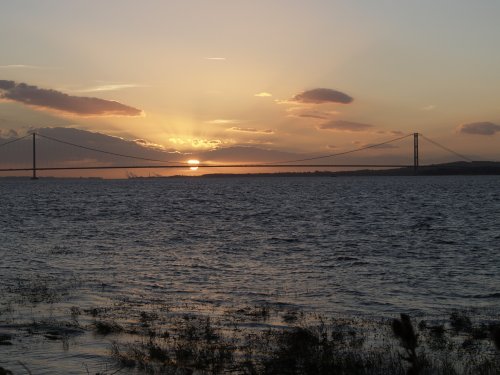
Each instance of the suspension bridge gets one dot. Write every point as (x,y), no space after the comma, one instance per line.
(310,162)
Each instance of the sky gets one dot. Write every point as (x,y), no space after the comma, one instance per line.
(294,78)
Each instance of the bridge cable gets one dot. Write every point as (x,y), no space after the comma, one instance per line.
(14,140)
(109,152)
(446,148)
(339,153)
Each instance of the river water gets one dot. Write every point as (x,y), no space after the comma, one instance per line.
(366,246)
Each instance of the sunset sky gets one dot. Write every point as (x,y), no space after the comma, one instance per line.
(197,76)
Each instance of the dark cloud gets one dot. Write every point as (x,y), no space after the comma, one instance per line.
(52,153)
(319,96)
(482,128)
(7,85)
(347,126)
(55,100)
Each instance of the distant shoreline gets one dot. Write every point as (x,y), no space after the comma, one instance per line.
(475,168)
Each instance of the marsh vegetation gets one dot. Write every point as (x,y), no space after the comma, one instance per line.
(262,339)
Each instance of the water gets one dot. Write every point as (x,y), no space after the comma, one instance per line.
(349,245)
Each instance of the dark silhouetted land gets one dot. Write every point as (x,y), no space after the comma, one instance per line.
(457,168)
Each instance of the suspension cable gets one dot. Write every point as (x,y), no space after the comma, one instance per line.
(109,152)
(14,140)
(339,153)
(446,148)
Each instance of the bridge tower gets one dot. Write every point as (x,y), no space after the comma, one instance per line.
(34,177)
(415,153)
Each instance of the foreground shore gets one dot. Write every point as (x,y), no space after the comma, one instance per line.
(265,339)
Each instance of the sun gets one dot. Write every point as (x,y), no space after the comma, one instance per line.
(194,164)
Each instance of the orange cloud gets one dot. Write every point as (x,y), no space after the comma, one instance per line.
(58,101)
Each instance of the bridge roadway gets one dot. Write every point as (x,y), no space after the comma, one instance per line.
(210,166)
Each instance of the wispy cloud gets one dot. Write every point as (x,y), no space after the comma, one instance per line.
(391,132)
(345,126)
(251,130)
(479,128)
(23,66)
(216,58)
(221,121)
(57,101)
(110,87)
(263,94)
(320,96)
(375,146)
(429,107)
(309,113)
(260,142)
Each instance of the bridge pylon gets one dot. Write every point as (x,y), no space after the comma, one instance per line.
(34,177)
(415,153)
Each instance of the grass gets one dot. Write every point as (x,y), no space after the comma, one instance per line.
(199,344)
(104,328)
(267,340)
(5,371)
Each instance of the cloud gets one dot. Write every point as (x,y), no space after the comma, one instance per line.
(305,112)
(8,133)
(52,153)
(216,58)
(22,66)
(429,107)
(221,121)
(58,101)
(319,115)
(110,87)
(7,85)
(391,132)
(251,130)
(263,95)
(396,132)
(346,126)
(259,142)
(245,154)
(315,115)
(321,95)
(375,146)
(481,128)
(148,144)
(196,142)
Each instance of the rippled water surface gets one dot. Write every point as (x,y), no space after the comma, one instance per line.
(370,246)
